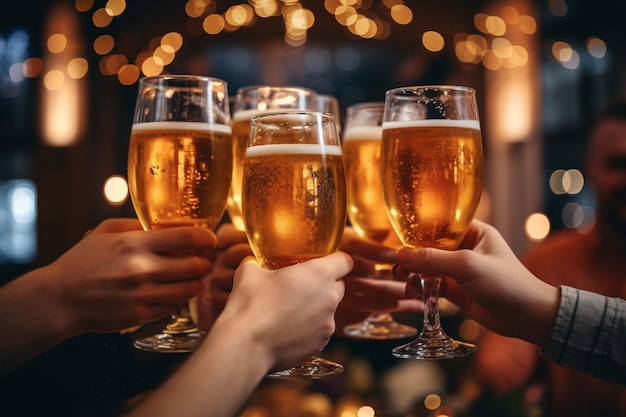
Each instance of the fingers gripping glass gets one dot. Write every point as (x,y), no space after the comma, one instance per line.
(431,170)
(361,151)
(294,199)
(179,168)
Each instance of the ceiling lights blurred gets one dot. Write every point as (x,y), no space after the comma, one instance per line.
(490,44)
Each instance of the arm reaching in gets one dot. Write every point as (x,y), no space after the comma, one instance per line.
(272,320)
(489,283)
(117,276)
(493,287)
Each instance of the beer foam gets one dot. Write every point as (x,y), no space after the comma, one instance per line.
(363,133)
(248,114)
(402,124)
(293,149)
(210,127)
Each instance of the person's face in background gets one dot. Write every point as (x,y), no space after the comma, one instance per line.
(606,169)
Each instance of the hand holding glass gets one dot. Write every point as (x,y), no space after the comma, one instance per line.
(294,201)
(361,152)
(179,167)
(431,170)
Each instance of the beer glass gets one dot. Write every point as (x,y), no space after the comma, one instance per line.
(250,101)
(179,168)
(329,104)
(431,170)
(294,199)
(361,153)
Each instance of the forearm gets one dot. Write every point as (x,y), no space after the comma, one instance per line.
(589,335)
(215,381)
(30,325)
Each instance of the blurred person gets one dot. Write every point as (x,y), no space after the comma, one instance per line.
(595,261)
(571,328)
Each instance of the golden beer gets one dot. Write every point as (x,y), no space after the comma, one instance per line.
(241,135)
(366,211)
(294,202)
(436,166)
(179,173)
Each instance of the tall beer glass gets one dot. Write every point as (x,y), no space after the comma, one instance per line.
(329,104)
(250,101)
(179,168)
(294,199)
(361,152)
(431,169)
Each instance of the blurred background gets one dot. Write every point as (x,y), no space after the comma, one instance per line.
(68,80)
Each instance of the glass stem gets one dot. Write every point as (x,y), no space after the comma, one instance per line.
(432,325)
(181,321)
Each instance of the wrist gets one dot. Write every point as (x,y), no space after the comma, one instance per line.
(238,336)
(545,311)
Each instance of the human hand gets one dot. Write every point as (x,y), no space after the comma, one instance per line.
(488,282)
(232,248)
(364,294)
(119,276)
(288,313)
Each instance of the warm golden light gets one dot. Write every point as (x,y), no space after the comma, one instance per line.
(510,15)
(53,80)
(163,57)
(172,40)
(115,190)
(433,41)
(128,74)
(495,25)
(103,44)
(150,67)
(101,18)
(213,24)
(469,330)
(537,226)
(401,14)
(195,8)
(366,411)
(562,51)
(57,43)
(527,24)
(63,94)
(111,64)
(480,22)
(77,68)
(115,7)
(432,401)
(83,5)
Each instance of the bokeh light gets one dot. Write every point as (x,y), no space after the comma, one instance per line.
(115,190)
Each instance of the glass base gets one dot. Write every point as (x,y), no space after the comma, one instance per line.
(170,343)
(313,368)
(440,347)
(379,327)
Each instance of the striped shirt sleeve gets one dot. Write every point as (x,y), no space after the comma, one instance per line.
(589,335)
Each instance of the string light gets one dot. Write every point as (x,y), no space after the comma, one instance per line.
(489,47)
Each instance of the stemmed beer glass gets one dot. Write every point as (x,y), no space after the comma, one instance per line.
(361,153)
(179,168)
(431,170)
(294,201)
(250,101)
